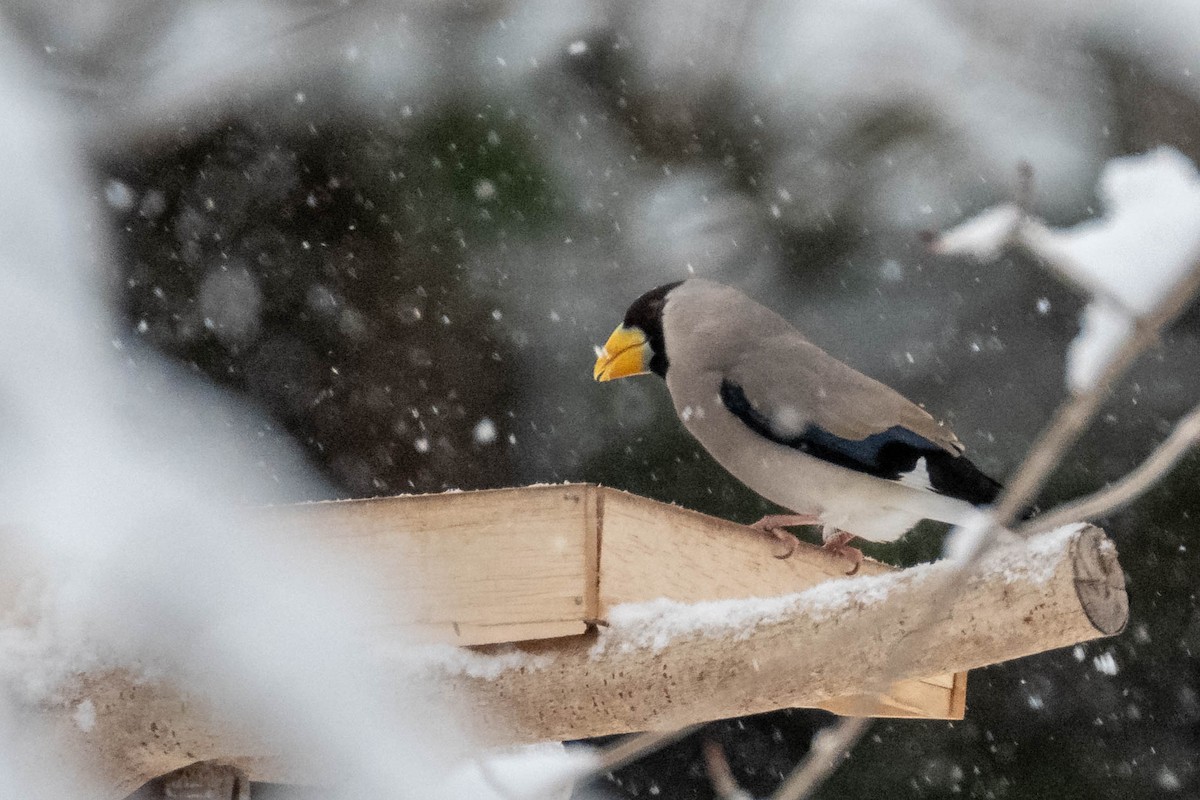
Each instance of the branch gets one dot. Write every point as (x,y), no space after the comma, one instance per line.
(829,749)
(1062,432)
(720,775)
(1185,434)
(631,748)
(1073,416)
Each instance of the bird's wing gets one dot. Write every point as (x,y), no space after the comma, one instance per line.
(792,392)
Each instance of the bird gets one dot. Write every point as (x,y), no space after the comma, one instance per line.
(802,429)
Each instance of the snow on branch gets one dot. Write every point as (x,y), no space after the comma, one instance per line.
(1127,261)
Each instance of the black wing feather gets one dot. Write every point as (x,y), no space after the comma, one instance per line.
(889,454)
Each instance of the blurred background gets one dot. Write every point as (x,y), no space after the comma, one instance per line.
(396,230)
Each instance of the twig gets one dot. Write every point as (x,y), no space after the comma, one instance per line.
(1184,436)
(1071,417)
(631,748)
(720,775)
(626,751)
(1062,432)
(829,749)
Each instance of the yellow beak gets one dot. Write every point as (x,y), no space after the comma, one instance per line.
(625,353)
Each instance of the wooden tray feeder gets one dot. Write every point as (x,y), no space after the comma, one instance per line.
(540,569)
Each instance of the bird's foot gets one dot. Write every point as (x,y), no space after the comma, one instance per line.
(838,543)
(776,525)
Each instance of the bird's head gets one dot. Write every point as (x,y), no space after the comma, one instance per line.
(637,346)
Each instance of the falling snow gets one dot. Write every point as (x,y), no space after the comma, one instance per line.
(1105,664)
(484,431)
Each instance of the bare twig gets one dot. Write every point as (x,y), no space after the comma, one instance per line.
(1024,193)
(1185,435)
(631,748)
(720,775)
(1071,418)
(828,751)
(1062,432)
(626,751)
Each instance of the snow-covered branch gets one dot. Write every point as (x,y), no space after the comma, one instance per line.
(1136,263)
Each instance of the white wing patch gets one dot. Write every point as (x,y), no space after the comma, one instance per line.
(919,477)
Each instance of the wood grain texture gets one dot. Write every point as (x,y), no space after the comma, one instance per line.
(651,549)
(466,567)
(525,564)
(145,730)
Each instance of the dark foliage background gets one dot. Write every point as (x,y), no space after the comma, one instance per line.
(409,281)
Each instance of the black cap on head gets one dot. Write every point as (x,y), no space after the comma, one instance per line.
(646,313)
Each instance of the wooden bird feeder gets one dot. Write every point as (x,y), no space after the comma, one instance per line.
(541,568)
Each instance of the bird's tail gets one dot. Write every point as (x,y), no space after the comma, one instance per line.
(958,477)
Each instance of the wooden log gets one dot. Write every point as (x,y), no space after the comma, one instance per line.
(137,731)
(716,660)
(204,780)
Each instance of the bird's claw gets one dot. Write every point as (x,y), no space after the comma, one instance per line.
(838,545)
(775,524)
(788,541)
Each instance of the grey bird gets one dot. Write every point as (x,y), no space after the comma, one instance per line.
(802,429)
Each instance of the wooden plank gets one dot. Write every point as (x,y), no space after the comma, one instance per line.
(465,634)
(593,524)
(509,565)
(651,549)
(905,699)
(469,567)
(958,696)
